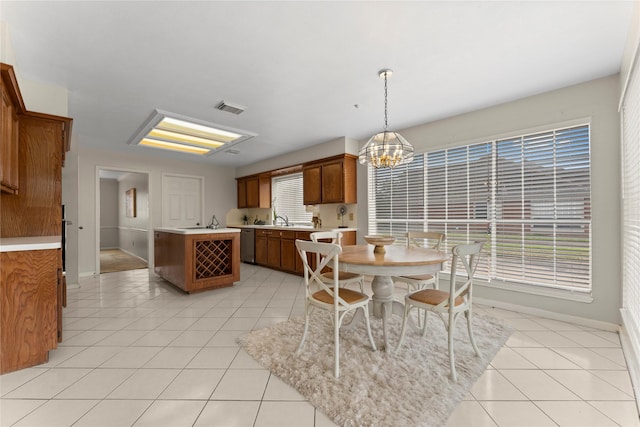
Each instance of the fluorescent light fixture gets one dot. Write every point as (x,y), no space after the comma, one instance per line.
(170,131)
(148,142)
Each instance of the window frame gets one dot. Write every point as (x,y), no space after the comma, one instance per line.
(395,226)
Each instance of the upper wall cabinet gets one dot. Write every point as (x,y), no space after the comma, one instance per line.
(331,180)
(254,192)
(12,105)
(40,141)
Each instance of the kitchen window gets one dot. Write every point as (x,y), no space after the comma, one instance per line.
(528,197)
(286,191)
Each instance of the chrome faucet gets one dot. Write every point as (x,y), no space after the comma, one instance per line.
(285,219)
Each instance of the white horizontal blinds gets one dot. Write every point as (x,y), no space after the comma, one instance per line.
(457,195)
(543,209)
(631,197)
(528,197)
(396,199)
(287,191)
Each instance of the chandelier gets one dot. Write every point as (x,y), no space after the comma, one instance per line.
(386,149)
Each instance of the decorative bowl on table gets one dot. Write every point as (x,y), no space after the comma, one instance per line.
(379,242)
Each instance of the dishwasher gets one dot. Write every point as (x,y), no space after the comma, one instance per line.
(247,245)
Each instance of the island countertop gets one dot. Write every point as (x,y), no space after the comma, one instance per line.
(196,230)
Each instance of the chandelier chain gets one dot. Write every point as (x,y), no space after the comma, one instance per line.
(386,125)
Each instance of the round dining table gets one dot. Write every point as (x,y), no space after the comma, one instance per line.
(397,260)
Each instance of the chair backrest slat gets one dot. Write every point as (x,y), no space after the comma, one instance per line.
(416,238)
(468,256)
(328,254)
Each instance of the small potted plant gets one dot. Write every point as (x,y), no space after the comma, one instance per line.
(245,219)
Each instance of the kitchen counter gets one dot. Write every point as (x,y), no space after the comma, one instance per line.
(13,244)
(196,230)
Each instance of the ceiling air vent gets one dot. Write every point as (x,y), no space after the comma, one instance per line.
(231,108)
(232,151)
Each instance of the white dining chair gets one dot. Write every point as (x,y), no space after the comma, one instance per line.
(451,304)
(329,296)
(428,239)
(344,277)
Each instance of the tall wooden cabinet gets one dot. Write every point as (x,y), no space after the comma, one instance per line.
(30,206)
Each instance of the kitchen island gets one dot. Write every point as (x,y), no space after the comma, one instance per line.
(197,259)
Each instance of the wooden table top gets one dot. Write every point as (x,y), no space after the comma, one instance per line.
(396,255)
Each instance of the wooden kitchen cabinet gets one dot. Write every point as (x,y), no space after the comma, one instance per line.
(330,181)
(276,248)
(254,191)
(29,325)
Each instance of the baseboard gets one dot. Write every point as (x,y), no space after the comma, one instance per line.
(87,274)
(596,324)
(630,339)
(133,255)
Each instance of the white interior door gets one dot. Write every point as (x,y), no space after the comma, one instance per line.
(181,200)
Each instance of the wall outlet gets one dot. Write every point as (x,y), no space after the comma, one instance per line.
(350,216)
(338,215)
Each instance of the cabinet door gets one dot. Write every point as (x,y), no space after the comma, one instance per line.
(28,298)
(312,185)
(264,195)
(9,144)
(38,209)
(332,182)
(288,254)
(273,251)
(261,251)
(253,193)
(242,193)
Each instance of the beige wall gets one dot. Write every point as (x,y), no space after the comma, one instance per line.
(594,101)
(219,190)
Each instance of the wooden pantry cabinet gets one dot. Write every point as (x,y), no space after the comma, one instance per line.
(332,180)
(33,148)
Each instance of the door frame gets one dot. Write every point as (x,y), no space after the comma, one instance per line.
(150,263)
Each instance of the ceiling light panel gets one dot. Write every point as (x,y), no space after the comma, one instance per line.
(170,131)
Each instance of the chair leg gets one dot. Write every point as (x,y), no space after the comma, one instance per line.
(450,330)
(336,347)
(407,307)
(469,316)
(365,309)
(306,327)
(424,321)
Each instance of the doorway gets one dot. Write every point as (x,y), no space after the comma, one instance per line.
(123,231)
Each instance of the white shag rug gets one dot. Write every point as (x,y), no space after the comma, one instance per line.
(410,388)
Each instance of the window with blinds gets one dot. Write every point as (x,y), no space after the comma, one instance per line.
(286,191)
(529,197)
(631,197)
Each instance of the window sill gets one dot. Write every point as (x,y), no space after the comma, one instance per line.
(577,296)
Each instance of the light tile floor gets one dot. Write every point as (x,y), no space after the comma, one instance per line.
(138,352)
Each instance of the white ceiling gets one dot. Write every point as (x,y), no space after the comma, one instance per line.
(300,67)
